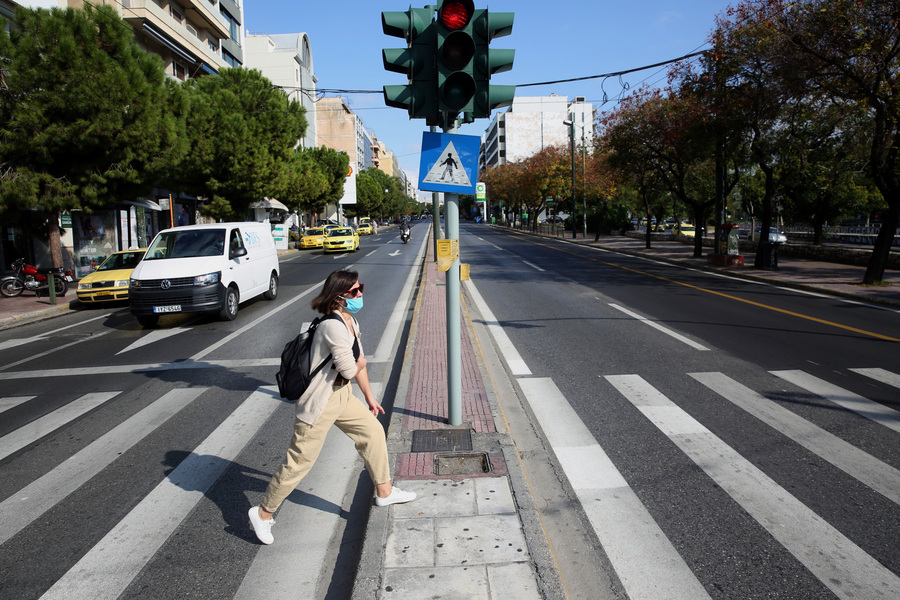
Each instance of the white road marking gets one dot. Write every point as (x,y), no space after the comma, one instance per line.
(504,345)
(29,503)
(853,402)
(879,476)
(27,434)
(661,328)
(882,375)
(110,566)
(643,558)
(841,565)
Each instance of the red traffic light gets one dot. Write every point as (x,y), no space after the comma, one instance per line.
(456,14)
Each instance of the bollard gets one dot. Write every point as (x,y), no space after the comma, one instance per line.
(51,287)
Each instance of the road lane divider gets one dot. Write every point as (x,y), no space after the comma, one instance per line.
(658,327)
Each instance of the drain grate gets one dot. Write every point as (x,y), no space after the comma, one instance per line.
(441,440)
(471,463)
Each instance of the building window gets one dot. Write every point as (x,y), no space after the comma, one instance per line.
(230,60)
(177,13)
(179,71)
(233,26)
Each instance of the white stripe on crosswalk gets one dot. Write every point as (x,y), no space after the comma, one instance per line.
(108,568)
(853,402)
(37,429)
(13,401)
(647,564)
(879,476)
(29,503)
(837,562)
(882,375)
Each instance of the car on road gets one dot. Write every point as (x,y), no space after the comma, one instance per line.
(775,235)
(685,229)
(313,238)
(365,229)
(366,226)
(110,281)
(341,239)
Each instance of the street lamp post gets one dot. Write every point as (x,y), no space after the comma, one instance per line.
(571,125)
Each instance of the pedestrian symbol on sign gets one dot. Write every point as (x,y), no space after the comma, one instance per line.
(447,170)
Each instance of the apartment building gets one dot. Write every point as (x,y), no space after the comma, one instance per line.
(286,60)
(533,123)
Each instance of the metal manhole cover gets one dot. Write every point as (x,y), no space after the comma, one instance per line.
(441,440)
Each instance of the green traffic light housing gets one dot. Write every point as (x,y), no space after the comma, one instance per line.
(489,61)
(448,61)
(416,26)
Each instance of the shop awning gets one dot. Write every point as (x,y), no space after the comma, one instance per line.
(163,39)
(144,203)
(271,203)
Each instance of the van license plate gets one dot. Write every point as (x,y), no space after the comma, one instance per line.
(166,309)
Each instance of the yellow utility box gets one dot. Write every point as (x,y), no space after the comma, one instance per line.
(447,253)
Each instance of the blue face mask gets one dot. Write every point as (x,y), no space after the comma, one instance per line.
(352,305)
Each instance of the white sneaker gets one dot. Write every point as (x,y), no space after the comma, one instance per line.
(263,529)
(397,496)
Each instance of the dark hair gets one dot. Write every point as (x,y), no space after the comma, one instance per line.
(339,282)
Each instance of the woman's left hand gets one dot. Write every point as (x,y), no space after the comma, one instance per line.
(374,406)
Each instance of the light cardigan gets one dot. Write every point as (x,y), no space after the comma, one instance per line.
(333,336)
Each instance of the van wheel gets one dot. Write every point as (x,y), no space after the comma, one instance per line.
(272,292)
(230,306)
(148,320)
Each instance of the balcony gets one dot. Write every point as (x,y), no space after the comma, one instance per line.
(185,33)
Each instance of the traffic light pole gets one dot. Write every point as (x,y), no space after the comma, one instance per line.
(454,353)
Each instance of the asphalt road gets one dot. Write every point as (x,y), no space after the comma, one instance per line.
(123,449)
(719,437)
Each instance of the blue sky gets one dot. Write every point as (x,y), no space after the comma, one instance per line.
(557,39)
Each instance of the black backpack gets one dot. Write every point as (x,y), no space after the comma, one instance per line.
(296,371)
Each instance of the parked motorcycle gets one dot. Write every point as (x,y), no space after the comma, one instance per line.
(29,277)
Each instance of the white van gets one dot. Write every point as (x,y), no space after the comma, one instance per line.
(204,268)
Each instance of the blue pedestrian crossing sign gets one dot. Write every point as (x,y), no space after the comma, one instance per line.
(449,162)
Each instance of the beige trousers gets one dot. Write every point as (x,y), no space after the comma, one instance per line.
(353,418)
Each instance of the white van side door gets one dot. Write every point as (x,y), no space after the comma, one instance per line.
(240,264)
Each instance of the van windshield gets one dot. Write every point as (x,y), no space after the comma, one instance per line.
(187,243)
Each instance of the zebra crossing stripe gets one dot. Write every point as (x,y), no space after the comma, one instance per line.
(647,564)
(882,375)
(13,401)
(110,566)
(29,503)
(841,565)
(27,434)
(879,476)
(853,402)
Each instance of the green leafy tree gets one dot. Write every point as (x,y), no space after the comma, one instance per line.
(304,182)
(242,133)
(86,117)
(334,166)
(850,49)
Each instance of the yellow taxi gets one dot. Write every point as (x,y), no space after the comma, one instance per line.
(341,239)
(365,226)
(685,229)
(110,281)
(313,238)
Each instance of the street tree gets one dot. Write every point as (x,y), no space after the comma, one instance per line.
(851,50)
(242,132)
(86,116)
(335,166)
(304,181)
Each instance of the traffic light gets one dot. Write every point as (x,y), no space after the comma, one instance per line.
(488,26)
(455,54)
(418,96)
